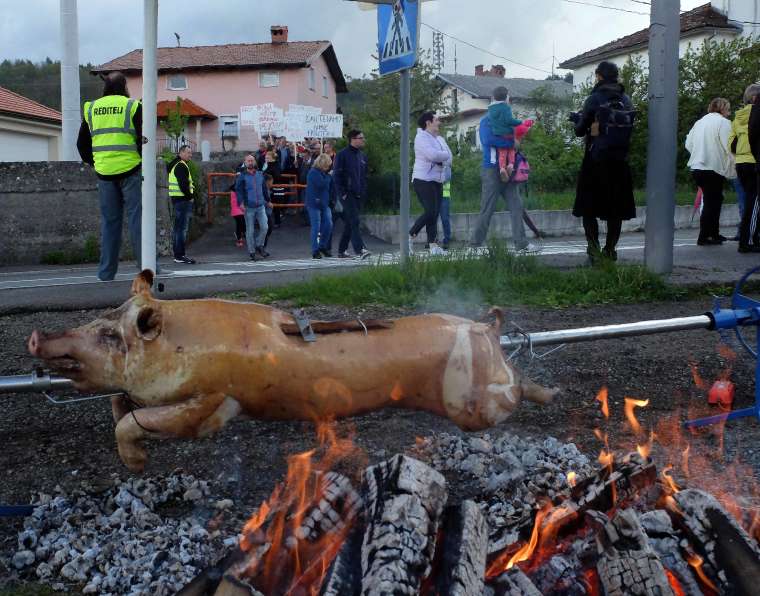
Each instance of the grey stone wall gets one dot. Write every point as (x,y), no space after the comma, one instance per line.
(52,208)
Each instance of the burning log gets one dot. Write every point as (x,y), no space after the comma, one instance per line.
(730,554)
(462,561)
(230,586)
(512,583)
(627,564)
(666,543)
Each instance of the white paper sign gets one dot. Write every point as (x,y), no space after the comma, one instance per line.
(249,116)
(323,126)
(295,108)
(295,126)
(271,120)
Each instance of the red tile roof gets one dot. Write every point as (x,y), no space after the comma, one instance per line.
(13,104)
(187,108)
(702,17)
(294,54)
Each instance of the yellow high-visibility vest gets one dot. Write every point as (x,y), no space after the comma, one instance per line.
(447,190)
(174,190)
(110,120)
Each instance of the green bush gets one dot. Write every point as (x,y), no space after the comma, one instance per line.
(89,252)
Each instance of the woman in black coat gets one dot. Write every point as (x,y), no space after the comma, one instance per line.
(605,185)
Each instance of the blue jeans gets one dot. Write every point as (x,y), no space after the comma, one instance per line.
(321,227)
(252,215)
(351,224)
(183,211)
(114,196)
(446,219)
(741,198)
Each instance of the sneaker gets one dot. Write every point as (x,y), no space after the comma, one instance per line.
(239,244)
(609,253)
(326,253)
(316,255)
(411,245)
(364,254)
(253,256)
(185,260)
(530,247)
(436,250)
(342,255)
(262,251)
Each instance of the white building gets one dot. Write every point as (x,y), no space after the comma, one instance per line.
(466,97)
(717,20)
(29,131)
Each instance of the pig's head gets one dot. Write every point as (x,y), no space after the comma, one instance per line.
(96,355)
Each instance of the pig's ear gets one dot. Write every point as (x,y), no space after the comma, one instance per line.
(142,283)
(149,323)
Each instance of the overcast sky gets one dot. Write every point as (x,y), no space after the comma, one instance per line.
(527,32)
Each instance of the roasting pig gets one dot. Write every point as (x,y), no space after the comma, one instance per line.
(186,367)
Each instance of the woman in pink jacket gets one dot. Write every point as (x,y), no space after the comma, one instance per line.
(432,167)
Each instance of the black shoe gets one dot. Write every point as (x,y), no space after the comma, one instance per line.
(343,255)
(735,238)
(184,259)
(326,253)
(316,255)
(744,248)
(709,241)
(253,256)
(609,253)
(262,251)
(722,238)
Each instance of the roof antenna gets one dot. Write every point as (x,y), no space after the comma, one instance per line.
(177,36)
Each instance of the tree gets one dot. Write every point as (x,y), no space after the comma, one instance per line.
(42,81)
(174,124)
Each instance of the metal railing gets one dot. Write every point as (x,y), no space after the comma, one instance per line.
(292,190)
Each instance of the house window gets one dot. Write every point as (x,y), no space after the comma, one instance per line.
(269,79)
(324,87)
(177,82)
(312,80)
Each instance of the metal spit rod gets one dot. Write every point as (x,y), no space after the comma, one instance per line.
(36,382)
(567,336)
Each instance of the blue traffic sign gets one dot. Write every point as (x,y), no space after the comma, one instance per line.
(398,35)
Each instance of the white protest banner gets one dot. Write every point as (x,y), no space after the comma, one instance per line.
(295,124)
(249,116)
(270,120)
(324,126)
(295,108)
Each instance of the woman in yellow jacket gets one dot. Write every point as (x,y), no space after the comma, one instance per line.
(738,141)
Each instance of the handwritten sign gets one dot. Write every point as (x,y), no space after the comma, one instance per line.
(271,120)
(249,115)
(323,126)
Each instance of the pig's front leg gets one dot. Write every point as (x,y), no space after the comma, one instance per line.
(120,407)
(196,417)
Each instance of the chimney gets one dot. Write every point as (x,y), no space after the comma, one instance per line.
(479,70)
(279,33)
(497,70)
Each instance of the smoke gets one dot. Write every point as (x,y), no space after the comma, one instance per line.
(450,297)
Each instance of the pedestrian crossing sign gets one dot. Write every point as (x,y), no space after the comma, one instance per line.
(398,35)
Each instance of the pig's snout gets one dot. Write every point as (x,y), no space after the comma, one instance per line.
(34,343)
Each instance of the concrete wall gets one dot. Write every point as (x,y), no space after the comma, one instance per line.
(50,207)
(552,223)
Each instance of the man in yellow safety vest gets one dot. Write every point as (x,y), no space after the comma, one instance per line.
(181,193)
(110,139)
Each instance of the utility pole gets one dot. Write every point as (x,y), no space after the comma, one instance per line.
(150,120)
(664,33)
(69,81)
(455,58)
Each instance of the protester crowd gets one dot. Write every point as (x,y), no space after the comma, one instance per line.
(332,185)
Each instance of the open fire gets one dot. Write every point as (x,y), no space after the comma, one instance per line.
(623,530)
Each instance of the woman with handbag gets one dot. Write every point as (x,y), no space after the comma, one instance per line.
(432,167)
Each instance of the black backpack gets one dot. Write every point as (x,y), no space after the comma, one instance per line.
(613,127)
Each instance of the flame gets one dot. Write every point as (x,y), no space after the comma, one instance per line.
(698,380)
(591,580)
(646,449)
(572,479)
(601,397)
(696,561)
(631,403)
(397,393)
(672,505)
(278,554)
(526,551)
(670,484)
(685,461)
(675,585)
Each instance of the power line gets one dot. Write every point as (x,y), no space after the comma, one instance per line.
(607,7)
(467,43)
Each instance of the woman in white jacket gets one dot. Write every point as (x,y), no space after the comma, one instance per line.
(432,167)
(711,163)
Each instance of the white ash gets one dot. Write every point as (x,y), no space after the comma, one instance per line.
(116,541)
(512,472)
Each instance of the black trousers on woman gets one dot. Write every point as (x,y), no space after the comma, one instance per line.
(430,195)
(591,227)
(711,184)
(748,228)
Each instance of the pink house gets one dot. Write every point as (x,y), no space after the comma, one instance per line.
(219,80)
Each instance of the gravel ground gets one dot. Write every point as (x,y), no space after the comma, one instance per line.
(45,445)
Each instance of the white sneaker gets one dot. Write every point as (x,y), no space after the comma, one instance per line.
(364,254)
(436,250)
(411,245)
(530,247)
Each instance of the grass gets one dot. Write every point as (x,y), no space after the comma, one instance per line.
(547,201)
(88,253)
(501,278)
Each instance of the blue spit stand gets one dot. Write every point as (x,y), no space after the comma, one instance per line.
(745,312)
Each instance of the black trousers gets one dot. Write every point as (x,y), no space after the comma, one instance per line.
(711,184)
(591,227)
(749,178)
(240,227)
(430,195)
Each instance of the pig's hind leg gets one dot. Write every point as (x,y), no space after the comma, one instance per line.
(196,417)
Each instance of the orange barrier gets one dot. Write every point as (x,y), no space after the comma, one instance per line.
(212,194)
